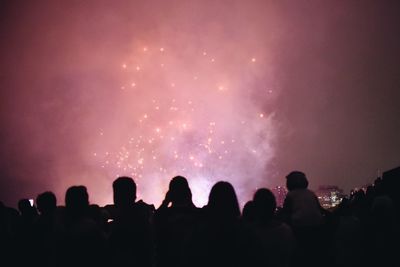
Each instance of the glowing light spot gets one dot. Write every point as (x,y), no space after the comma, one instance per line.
(133,84)
(261,115)
(162,49)
(191,157)
(140,161)
(124,66)
(145,116)
(158,130)
(162,65)
(95,154)
(253,59)
(137,68)
(145,49)
(172,85)
(204,53)
(212,60)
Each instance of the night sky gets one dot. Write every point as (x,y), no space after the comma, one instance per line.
(243,91)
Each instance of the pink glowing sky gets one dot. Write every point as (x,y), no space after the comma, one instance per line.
(243,91)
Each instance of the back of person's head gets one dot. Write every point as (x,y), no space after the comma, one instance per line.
(124,189)
(296,180)
(180,192)
(46,202)
(24,206)
(265,204)
(77,198)
(249,213)
(223,202)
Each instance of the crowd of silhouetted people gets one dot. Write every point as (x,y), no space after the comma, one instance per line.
(362,231)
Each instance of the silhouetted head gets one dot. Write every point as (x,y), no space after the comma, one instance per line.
(179,191)
(46,202)
(124,189)
(296,180)
(265,204)
(222,201)
(249,213)
(77,198)
(24,206)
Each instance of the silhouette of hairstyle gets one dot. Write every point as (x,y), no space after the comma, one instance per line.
(124,189)
(24,205)
(249,213)
(179,190)
(265,203)
(77,198)
(46,202)
(296,180)
(223,202)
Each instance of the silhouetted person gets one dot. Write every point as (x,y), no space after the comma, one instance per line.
(301,205)
(384,232)
(25,232)
(45,229)
(221,239)
(27,210)
(77,201)
(348,237)
(9,222)
(174,221)
(304,214)
(130,240)
(46,203)
(249,212)
(83,242)
(276,238)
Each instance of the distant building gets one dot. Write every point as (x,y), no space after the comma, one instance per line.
(280,195)
(329,196)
